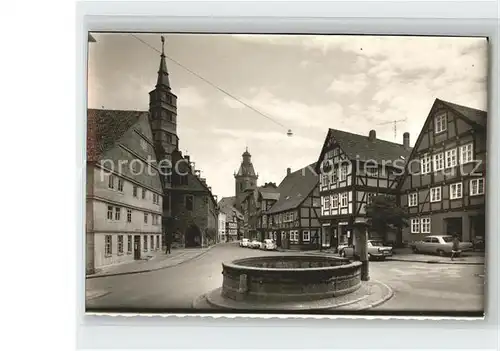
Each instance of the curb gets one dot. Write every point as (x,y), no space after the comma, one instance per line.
(434,261)
(149,270)
(383,300)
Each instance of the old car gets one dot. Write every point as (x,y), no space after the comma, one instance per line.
(438,244)
(268,244)
(244,242)
(376,250)
(254,244)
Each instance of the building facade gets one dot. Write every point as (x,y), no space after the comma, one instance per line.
(351,170)
(293,220)
(190,213)
(443,188)
(234,219)
(222,233)
(123,201)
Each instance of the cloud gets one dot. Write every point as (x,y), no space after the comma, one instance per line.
(191,98)
(232,103)
(349,84)
(292,113)
(271,138)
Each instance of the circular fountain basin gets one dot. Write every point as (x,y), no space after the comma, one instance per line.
(289,278)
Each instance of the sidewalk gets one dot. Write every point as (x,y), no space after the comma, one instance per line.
(406,255)
(159,261)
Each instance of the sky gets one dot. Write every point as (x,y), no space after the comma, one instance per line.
(304,83)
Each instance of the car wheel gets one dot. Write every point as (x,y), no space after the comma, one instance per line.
(440,252)
(414,249)
(342,253)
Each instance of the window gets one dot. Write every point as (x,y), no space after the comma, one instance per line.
(145,218)
(120,184)
(333,176)
(118,212)
(343,200)
(120,244)
(110,212)
(412,199)
(327,202)
(343,172)
(369,197)
(111,181)
(294,236)
(152,239)
(169,138)
(438,161)
(335,201)
(436,194)
(451,158)
(143,193)
(477,186)
(415,225)
(108,245)
(156,219)
(425,225)
(155,198)
(324,180)
(145,243)
(306,236)
(129,216)
(134,191)
(158,242)
(456,191)
(466,153)
(144,144)
(440,123)
(371,171)
(426,164)
(189,202)
(129,244)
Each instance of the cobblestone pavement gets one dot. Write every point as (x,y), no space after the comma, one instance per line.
(417,286)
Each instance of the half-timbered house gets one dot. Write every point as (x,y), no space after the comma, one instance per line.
(293,220)
(353,168)
(443,188)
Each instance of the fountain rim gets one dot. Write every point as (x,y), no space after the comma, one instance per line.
(234,264)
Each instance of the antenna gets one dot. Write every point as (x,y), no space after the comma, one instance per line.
(395,122)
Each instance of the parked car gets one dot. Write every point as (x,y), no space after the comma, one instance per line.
(268,244)
(478,244)
(438,244)
(254,244)
(376,250)
(244,242)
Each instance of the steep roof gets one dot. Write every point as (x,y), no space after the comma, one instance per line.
(226,205)
(358,146)
(472,114)
(269,192)
(295,188)
(105,127)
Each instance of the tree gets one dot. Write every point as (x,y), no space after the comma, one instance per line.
(383,214)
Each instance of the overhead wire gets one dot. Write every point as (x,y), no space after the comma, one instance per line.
(213,85)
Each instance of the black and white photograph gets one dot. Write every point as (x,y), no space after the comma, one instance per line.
(286,174)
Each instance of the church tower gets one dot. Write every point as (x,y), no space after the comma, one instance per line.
(163,115)
(245,178)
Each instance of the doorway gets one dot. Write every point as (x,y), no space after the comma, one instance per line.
(137,247)
(193,236)
(454,226)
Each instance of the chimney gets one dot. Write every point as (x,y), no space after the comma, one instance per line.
(372,136)
(406,140)
(288,171)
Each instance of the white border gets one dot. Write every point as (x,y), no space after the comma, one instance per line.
(468,18)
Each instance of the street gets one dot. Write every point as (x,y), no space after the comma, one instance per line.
(416,286)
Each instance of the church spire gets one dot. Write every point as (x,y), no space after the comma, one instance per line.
(163,73)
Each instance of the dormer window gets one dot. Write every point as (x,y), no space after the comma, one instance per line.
(440,123)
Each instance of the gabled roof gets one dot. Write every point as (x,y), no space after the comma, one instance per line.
(105,128)
(226,205)
(473,115)
(357,146)
(295,188)
(269,191)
